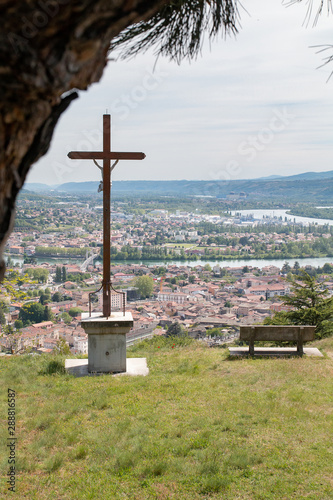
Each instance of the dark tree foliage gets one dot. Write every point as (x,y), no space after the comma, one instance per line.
(58,276)
(311,306)
(2,317)
(178,28)
(327,268)
(74,311)
(47,315)
(57,297)
(32,313)
(145,285)
(309,300)
(285,268)
(44,298)
(176,329)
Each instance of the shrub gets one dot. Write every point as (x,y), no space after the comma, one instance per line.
(52,367)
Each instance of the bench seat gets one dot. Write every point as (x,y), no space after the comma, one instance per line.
(277,333)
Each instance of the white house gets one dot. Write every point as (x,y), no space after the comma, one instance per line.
(81,345)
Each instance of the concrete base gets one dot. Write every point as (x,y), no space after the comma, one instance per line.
(107,341)
(79,367)
(274,351)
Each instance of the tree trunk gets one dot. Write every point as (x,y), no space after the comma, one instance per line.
(47,48)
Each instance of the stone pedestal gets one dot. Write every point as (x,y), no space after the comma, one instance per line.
(107,341)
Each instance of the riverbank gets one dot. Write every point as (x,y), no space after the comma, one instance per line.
(259,263)
(318,213)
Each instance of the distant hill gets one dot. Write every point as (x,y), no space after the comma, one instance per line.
(270,177)
(79,187)
(310,176)
(306,186)
(37,187)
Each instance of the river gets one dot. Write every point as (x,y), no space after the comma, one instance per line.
(261,214)
(260,263)
(48,260)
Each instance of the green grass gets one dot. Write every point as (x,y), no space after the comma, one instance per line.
(200,426)
(192,245)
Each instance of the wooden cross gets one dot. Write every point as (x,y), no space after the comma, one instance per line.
(106,155)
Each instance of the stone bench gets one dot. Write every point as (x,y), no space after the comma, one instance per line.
(277,333)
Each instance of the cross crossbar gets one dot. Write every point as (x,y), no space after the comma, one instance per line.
(101,155)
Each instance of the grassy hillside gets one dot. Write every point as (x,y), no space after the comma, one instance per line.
(200,426)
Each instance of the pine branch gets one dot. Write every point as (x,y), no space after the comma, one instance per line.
(311,11)
(177,30)
(315,14)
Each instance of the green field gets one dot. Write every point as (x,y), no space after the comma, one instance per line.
(193,246)
(200,426)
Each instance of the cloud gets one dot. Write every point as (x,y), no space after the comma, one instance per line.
(192,120)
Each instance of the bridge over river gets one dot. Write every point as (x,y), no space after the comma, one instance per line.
(89,260)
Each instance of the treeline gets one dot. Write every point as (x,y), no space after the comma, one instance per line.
(38,273)
(149,253)
(210,228)
(320,247)
(25,225)
(60,252)
(299,271)
(313,212)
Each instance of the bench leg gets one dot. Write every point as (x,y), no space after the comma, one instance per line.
(251,341)
(300,351)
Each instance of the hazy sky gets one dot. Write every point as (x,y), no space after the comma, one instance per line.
(249,106)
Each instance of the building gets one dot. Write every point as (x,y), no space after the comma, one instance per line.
(81,345)
(132,293)
(177,297)
(118,300)
(269,291)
